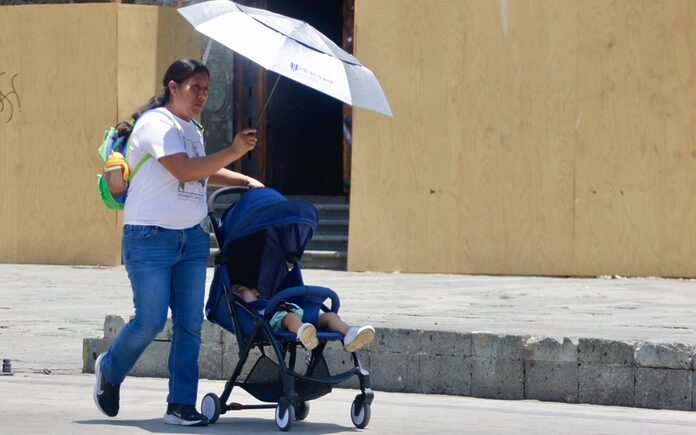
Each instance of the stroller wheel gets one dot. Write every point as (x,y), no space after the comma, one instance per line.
(360,413)
(210,407)
(284,415)
(301,411)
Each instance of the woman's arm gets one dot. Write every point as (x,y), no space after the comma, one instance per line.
(185,168)
(225,177)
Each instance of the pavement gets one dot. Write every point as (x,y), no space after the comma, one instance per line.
(492,327)
(62,405)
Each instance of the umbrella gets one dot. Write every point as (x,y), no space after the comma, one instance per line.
(291,48)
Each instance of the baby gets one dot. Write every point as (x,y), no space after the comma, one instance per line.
(356,337)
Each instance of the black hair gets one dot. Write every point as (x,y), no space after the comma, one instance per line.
(178,71)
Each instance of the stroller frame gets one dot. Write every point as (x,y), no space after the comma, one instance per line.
(291,404)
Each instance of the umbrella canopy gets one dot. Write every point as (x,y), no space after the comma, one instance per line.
(291,48)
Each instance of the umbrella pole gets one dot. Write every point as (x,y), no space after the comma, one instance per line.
(263,109)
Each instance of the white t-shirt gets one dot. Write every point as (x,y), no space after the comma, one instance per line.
(155,196)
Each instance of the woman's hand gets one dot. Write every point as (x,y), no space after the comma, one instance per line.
(252,183)
(225,177)
(244,141)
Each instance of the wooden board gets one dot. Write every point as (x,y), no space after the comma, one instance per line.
(536,138)
(65,58)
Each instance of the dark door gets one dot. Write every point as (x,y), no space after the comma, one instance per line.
(300,148)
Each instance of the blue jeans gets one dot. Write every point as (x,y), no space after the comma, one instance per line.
(167,269)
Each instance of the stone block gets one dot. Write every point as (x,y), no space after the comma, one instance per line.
(230,357)
(413,341)
(445,343)
(551,350)
(395,371)
(210,360)
(551,381)
(693,391)
(153,362)
(209,330)
(608,352)
(485,345)
(497,378)
(663,356)
(663,388)
(606,384)
(113,325)
(399,340)
(445,374)
(340,361)
(91,349)
(211,333)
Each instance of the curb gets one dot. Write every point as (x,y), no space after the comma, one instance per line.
(478,364)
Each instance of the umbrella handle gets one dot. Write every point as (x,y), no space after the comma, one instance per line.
(263,109)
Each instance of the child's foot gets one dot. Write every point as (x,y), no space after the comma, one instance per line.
(358,337)
(307,334)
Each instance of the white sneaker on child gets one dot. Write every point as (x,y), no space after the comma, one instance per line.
(358,337)
(307,334)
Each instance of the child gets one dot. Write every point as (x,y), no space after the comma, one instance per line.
(356,337)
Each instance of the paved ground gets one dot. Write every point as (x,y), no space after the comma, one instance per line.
(62,405)
(46,311)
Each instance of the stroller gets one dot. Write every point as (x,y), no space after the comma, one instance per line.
(261,238)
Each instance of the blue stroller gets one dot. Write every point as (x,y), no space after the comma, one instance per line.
(261,238)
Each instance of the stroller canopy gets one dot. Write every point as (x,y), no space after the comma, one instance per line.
(263,208)
(260,233)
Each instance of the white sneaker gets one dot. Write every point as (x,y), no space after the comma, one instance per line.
(358,337)
(307,334)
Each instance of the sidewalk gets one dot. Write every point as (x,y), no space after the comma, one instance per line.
(30,406)
(47,311)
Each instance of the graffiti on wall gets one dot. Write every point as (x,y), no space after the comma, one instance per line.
(9,98)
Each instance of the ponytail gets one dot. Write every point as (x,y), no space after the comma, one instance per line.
(178,71)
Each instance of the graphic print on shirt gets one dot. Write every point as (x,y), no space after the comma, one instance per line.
(192,190)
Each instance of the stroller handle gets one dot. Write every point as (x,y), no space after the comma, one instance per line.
(310,293)
(224,191)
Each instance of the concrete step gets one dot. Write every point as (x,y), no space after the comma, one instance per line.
(329,245)
(332,211)
(335,227)
(328,242)
(334,260)
(211,257)
(320,242)
(479,364)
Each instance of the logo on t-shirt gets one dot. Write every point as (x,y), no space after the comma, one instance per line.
(192,190)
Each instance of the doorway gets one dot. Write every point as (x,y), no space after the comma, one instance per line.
(301,148)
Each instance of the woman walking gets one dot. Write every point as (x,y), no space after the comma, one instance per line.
(165,249)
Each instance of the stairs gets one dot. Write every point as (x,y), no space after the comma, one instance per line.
(329,246)
(328,249)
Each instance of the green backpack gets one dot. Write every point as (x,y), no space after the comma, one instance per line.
(116,141)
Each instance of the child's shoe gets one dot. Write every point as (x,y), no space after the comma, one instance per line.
(307,334)
(358,337)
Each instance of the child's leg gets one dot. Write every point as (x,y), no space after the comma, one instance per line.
(291,322)
(356,337)
(306,332)
(332,322)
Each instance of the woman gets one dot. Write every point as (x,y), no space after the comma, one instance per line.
(165,249)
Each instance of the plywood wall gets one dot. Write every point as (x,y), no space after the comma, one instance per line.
(70,88)
(546,137)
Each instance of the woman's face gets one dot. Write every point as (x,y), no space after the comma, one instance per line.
(190,96)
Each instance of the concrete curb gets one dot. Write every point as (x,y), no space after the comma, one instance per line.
(478,364)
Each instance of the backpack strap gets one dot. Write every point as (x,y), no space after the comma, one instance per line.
(140,163)
(198,125)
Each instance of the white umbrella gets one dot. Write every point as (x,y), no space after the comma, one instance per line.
(291,48)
